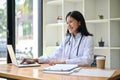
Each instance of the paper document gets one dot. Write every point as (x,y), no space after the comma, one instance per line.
(62,72)
(94,73)
(61,69)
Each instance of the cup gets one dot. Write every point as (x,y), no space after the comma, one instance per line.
(100,61)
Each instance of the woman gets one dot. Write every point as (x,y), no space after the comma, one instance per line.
(76,48)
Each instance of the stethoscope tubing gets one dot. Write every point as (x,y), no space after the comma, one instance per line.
(78,44)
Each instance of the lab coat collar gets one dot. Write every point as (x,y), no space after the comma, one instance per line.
(77,36)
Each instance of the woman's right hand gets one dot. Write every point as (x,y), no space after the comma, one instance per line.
(28,61)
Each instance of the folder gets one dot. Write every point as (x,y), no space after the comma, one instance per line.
(94,73)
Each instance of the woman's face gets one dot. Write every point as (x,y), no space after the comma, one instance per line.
(72,25)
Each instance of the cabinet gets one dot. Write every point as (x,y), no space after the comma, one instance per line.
(102,19)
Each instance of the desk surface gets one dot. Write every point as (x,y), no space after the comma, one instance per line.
(35,73)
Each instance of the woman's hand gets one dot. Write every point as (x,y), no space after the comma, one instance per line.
(57,62)
(29,61)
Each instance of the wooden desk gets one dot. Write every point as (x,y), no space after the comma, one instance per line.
(35,73)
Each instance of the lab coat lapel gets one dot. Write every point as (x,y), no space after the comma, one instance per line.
(76,41)
(67,50)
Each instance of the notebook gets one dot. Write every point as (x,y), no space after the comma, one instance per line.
(15,62)
(61,68)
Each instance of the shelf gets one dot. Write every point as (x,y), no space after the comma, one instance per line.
(55,24)
(74,0)
(101,21)
(115,48)
(115,19)
(97,21)
(55,2)
(101,48)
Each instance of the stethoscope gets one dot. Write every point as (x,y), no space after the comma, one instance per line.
(69,42)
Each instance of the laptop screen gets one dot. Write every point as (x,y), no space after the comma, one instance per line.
(12,54)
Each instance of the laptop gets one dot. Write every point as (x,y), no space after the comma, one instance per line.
(15,62)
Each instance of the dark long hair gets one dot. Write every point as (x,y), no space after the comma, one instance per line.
(79,17)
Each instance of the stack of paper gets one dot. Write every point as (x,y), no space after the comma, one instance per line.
(61,68)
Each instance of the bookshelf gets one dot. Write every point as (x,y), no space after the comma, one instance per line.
(106,27)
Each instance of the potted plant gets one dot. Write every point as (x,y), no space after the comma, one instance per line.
(59,19)
(101,43)
(101,16)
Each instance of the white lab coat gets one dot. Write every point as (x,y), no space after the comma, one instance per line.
(67,51)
